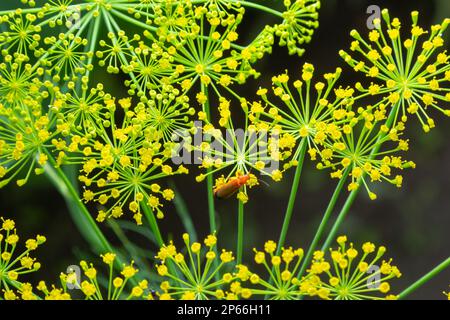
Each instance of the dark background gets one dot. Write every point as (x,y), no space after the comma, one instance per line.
(412,222)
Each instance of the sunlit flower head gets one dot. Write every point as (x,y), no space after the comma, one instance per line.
(20,35)
(67,59)
(123,165)
(147,64)
(15,261)
(413,73)
(367,149)
(198,272)
(238,151)
(299,22)
(205,55)
(169,113)
(26,132)
(80,111)
(279,280)
(116,287)
(350,274)
(303,110)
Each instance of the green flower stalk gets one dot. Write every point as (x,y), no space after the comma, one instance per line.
(305,117)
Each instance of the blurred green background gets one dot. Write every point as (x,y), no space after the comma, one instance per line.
(412,222)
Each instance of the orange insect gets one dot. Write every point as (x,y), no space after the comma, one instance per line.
(226,190)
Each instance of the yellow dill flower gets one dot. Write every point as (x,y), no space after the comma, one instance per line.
(240,152)
(14,265)
(224,7)
(447,295)
(67,59)
(367,149)
(82,111)
(148,65)
(299,21)
(304,110)
(281,282)
(26,129)
(21,34)
(169,113)
(169,17)
(203,52)
(53,293)
(123,164)
(198,273)
(351,274)
(116,289)
(91,288)
(412,71)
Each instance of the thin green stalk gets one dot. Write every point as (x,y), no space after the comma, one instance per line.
(211,207)
(345,209)
(292,197)
(93,38)
(261,8)
(183,212)
(442,266)
(210,178)
(240,236)
(150,216)
(323,223)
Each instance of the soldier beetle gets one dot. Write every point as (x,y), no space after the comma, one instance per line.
(226,190)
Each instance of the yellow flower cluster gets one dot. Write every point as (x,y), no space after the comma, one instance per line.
(116,287)
(13,265)
(282,282)
(238,151)
(199,273)
(353,274)
(303,110)
(411,72)
(122,166)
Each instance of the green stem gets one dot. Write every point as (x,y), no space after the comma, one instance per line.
(292,197)
(183,212)
(240,237)
(261,8)
(210,178)
(345,209)
(150,216)
(323,223)
(93,38)
(442,266)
